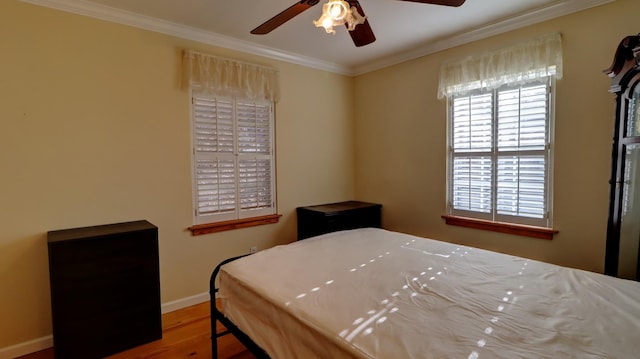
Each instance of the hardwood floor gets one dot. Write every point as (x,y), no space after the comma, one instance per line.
(185,334)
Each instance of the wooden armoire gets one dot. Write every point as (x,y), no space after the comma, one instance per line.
(623,231)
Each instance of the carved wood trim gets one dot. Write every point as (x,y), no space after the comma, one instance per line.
(627,56)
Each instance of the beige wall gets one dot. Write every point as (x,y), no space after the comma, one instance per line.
(401,140)
(94,129)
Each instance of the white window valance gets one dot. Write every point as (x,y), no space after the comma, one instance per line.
(519,64)
(222,76)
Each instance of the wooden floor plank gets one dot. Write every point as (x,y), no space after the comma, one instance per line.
(186,333)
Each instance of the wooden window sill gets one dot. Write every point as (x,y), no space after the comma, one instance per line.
(200,229)
(502,227)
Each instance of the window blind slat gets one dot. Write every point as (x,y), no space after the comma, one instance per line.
(213,125)
(472,123)
(472,183)
(253,128)
(522,118)
(255,183)
(215,186)
(521,186)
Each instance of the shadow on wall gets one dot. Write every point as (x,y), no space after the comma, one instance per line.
(24,284)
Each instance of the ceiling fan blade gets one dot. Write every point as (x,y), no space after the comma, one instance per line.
(361,34)
(283,17)
(440,2)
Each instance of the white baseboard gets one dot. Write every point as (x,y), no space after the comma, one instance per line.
(45,342)
(185,302)
(27,347)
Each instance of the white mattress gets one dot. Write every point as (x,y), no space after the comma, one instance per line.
(371,293)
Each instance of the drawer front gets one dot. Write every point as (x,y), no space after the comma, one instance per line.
(105,293)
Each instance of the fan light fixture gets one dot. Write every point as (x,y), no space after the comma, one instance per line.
(336,13)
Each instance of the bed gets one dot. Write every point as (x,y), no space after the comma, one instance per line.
(372,293)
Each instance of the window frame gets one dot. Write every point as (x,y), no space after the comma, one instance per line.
(493,220)
(237,218)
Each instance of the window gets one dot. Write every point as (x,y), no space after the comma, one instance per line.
(232,122)
(233,158)
(500,154)
(500,144)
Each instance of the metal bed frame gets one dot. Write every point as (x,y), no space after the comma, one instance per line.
(218,316)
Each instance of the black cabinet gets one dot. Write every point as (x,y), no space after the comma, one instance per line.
(325,218)
(105,289)
(622,258)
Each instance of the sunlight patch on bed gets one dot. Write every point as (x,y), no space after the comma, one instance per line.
(510,298)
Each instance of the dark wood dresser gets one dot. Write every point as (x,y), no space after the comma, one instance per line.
(326,218)
(105,289)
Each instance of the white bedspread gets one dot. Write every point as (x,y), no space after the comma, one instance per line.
(371,293)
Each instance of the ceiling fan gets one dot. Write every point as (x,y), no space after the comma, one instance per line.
(360,34)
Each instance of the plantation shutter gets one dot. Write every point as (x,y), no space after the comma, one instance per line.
(499,154)
(472,151)
(214,161)
(254,156)
(233,158)
(522,151)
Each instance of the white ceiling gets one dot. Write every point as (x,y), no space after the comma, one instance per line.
(404,30)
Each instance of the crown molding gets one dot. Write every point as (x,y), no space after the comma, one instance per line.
(102,12)
(106,13)
(552,11)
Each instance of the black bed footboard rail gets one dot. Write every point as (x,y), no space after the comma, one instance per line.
(218,316)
